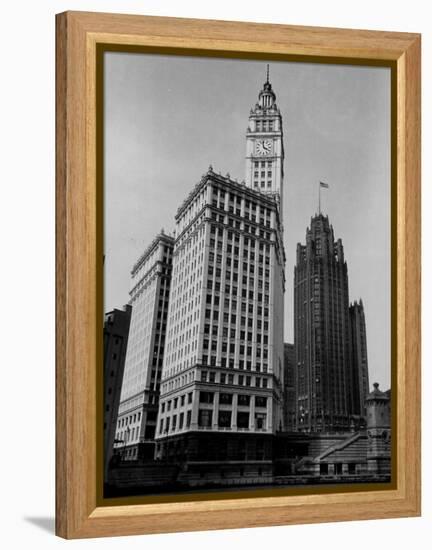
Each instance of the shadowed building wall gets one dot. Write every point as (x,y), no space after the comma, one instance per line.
(360,371)
(116,331)
(289,388)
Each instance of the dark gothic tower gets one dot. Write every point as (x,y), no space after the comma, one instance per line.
(322,332)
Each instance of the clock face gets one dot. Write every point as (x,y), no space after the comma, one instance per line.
(263,147)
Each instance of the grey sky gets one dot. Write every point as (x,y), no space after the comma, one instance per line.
(168,118)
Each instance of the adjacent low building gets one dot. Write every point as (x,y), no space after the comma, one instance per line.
(149,298)
(116,332)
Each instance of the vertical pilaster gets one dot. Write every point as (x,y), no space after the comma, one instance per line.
(234,412)
(215,411)
(252,413)
(195,408)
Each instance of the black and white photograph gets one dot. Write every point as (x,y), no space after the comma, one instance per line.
(247,274)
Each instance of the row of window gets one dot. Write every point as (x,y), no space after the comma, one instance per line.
(126,420)
(176,402)
(242,365)
(263,184)
(264,125)
(177,382)
(243,400)
(262,218)
(205,417)
(241,348)
(225,418)
(227,317)
(170,423)
(233,237)
(236,200)
(127,436)
(237,224)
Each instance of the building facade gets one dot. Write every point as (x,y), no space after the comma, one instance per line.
(149,298)
(223,366)
(264,145)
(290,408)
(360,370)
(322,332)
(116,332)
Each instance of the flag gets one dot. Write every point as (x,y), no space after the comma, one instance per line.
(325,185)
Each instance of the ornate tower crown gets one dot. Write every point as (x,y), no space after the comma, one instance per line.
(266,97)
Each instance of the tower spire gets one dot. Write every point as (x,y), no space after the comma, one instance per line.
(268,70)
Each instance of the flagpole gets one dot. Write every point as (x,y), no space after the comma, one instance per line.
(319,198)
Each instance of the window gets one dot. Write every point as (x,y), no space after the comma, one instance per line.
(206,397)
(243,400)
(260,421)
(260,401)
(323,469)
(243,419)
(224,420)
(225,398)
(204,418)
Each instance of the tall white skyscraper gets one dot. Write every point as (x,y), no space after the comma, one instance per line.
(223,362)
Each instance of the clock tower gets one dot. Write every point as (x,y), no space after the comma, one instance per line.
(264,144)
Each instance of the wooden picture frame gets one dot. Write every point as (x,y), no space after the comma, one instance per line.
(79,510)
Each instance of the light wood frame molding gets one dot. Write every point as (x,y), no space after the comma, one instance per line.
(78,510)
